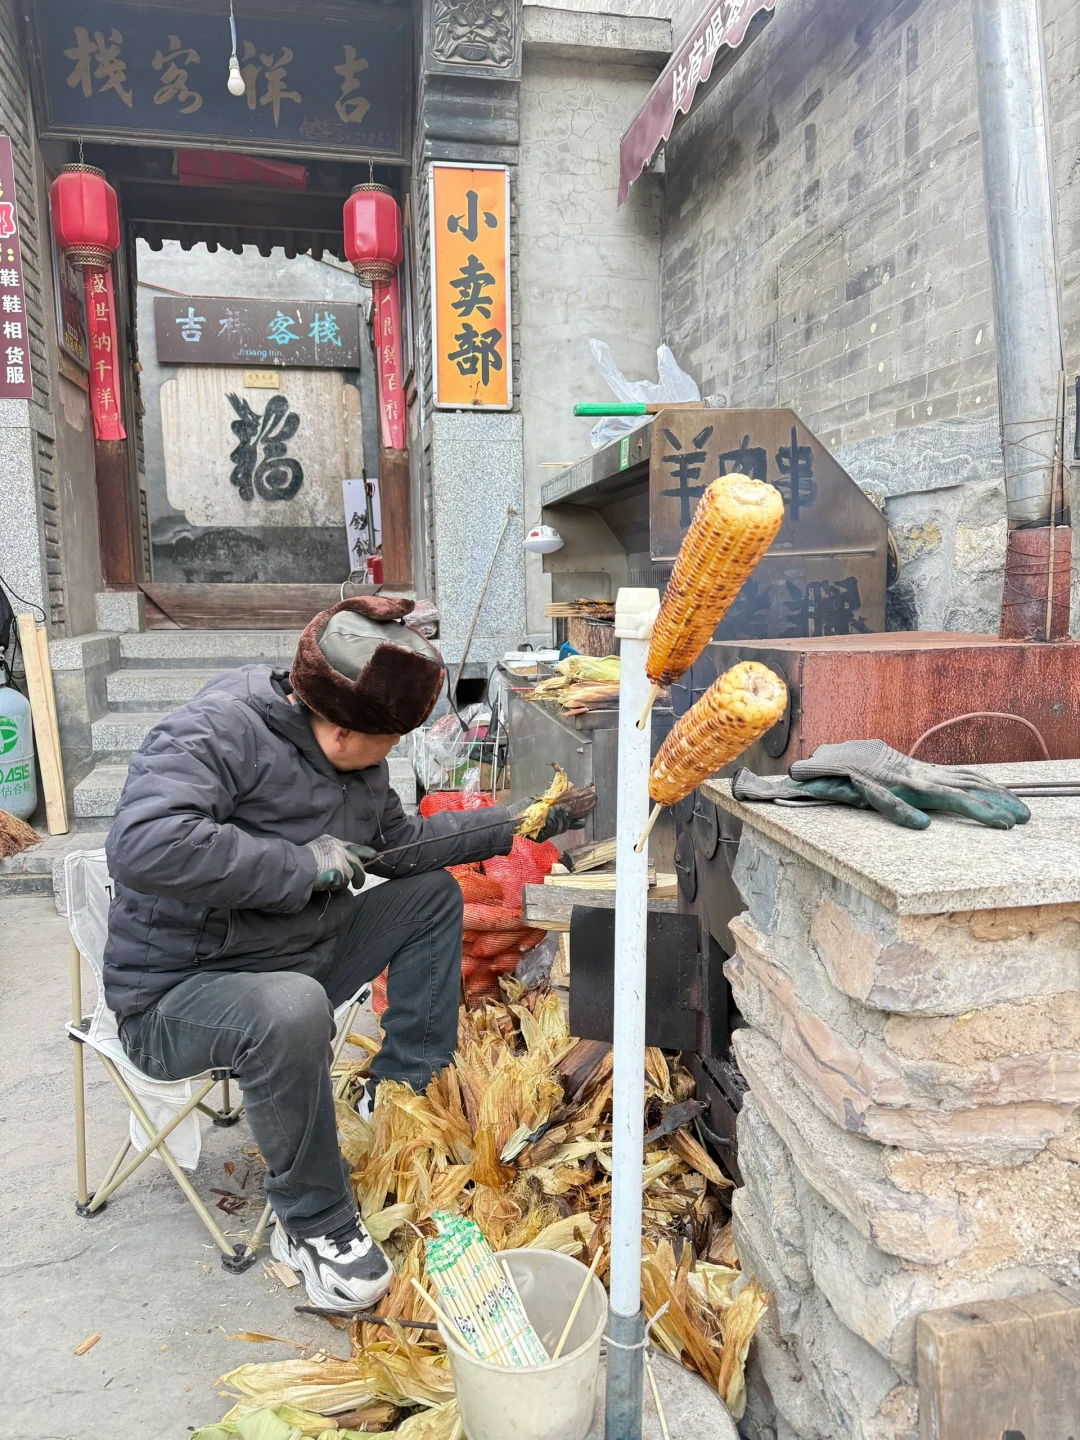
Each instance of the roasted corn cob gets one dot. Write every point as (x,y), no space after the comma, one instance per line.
(735,711)
(734,524)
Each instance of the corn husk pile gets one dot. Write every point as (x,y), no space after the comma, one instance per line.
(516,1133)
(580,682)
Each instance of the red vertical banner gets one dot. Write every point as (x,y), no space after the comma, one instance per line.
(16,380)
(387,328)
(104,372)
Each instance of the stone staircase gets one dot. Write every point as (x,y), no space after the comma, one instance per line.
(159,670)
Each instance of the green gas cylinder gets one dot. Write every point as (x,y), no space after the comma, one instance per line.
(18,773)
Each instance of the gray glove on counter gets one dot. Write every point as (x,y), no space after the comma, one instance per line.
(338,864)
(870,774)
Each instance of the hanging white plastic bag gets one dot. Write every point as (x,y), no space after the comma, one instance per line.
(673,386)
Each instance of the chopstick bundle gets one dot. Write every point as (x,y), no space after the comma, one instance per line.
(478,1296)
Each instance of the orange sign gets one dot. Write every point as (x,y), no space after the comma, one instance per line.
(470,267)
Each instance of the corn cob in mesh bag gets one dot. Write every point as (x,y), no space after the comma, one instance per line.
(735,711)
(734,524)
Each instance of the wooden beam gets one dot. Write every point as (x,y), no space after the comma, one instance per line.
(115,535)
(35,649)
(1001,1368)
(395,504)
(241,607)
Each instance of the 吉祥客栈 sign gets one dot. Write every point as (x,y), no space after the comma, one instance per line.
(230,330)
(334,80)
(470,268)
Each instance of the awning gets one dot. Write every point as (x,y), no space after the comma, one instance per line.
(722,26)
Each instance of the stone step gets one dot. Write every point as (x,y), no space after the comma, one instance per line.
(142,690)
(40,870)
(206,649)
(98,794)
(124,731)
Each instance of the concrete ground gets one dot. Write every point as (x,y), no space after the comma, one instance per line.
(143,1273)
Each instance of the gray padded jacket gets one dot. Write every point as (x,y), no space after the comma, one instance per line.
(207,846)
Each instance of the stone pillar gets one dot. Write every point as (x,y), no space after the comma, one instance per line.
(910,1139)
(470,464)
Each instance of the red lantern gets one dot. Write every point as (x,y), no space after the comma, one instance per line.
(85,219)
(373,233)
(86,226)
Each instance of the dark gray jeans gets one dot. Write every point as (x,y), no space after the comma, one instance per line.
(274,1029)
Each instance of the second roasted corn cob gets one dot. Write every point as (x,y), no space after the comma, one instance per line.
(735,711)
(735,522)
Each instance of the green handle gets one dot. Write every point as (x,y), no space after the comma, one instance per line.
(615,407)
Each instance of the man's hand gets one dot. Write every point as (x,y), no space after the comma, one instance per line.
(568,812)
(339,865)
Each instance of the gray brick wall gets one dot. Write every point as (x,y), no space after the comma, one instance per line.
(16,121)
(825,248)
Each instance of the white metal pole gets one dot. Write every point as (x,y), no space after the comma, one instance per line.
(635,611)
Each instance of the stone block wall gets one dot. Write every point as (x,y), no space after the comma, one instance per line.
(911,1138)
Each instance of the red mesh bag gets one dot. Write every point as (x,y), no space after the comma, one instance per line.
(496,942)
(527,864)
(473,868)
(492,917)
(468,936)
(378,993)
(436,800)
(477,889)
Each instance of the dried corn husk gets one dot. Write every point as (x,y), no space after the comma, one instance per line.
(516,1133)
(575,668)
(531,821)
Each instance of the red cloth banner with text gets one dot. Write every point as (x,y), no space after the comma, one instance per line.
(16,381)
(104,373)
(387,327)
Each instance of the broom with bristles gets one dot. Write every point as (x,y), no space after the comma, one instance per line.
(15,835)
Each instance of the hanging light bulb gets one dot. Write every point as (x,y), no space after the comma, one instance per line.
(235,82)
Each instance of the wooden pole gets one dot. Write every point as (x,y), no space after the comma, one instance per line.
(395,505)
(35,648)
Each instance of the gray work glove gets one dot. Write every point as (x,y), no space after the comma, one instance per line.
(338,864)
(567,813)
(869,774)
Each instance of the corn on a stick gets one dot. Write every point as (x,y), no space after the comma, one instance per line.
(735,711)
(736,521)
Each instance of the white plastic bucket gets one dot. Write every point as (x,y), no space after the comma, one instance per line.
(537,1402)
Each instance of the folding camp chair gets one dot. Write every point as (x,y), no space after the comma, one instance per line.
(164,1118)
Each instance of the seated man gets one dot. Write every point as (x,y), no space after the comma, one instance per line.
(234,936)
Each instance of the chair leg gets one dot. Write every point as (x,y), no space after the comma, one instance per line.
(82,1194)
(121,1155)
(339,1044)
(235,1258)
(156,1139)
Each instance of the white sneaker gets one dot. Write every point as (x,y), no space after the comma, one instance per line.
(344,1270)
(365,1101)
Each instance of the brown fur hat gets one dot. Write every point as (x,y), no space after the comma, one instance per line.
(359,667)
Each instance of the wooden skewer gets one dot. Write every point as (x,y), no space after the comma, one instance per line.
(648,829)
(577,1304)
(656,1398)
(453,1328)
(648,706)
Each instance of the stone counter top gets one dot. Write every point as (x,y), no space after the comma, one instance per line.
(955,865)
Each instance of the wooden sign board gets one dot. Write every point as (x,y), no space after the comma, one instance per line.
(470,268)
(332,79)
(825,572)
(233,330)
